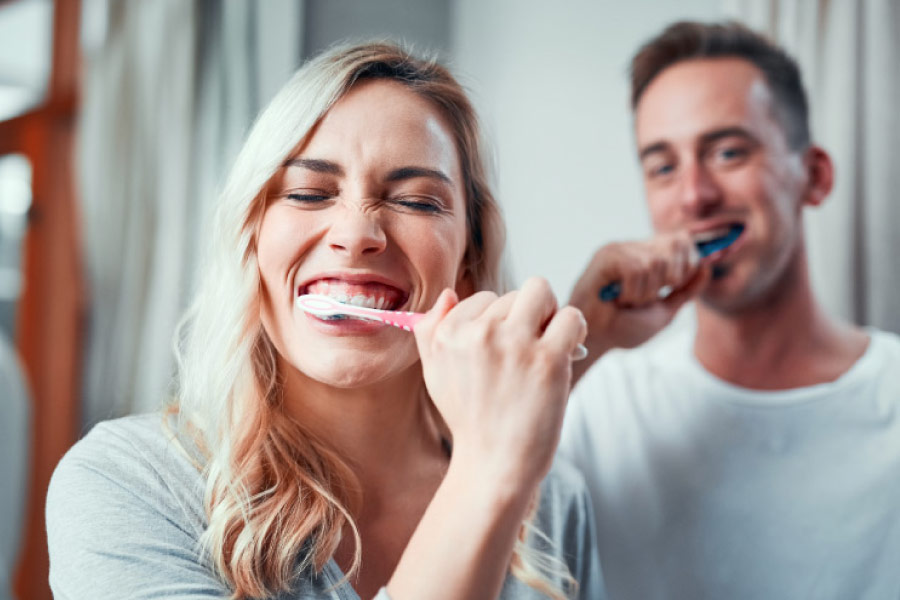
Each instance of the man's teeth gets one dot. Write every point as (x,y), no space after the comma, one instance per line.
(712,234)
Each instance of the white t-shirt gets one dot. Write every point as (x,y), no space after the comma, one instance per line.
(703,489)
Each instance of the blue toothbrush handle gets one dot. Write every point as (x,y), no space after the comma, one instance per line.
(610,291)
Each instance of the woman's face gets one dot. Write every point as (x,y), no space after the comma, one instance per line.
(370,210)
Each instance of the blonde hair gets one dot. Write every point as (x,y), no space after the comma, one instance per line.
(274,491)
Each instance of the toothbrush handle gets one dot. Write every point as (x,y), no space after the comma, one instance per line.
(403,320)
(610,291)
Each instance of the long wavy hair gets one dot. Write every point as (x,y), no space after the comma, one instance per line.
(274,490)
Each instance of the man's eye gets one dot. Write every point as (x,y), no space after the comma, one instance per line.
(661,170)
(730,154)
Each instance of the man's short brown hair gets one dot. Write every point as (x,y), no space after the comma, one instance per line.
(688,40)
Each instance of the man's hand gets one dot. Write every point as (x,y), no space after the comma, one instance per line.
(656,278)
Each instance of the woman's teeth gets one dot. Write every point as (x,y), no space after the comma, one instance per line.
(376,296)
(366,301)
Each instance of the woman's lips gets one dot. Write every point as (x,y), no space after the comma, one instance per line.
(367,294)
(345,327)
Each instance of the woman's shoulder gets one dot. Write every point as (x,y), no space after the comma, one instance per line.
(139,451)
(564,485)
(121,469)
(126,499)
(565,513)
(565,529)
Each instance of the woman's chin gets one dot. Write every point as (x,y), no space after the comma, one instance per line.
(351,369)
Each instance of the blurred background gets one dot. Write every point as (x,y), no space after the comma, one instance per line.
(119,119)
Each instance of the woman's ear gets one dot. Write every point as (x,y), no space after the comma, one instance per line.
(465,285)
(820,176)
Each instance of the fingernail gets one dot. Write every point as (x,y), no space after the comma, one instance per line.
(580,352)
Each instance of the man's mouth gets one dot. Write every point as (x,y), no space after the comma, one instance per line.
(713,240)
(366,294)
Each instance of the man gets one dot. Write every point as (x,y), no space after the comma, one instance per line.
(759,456)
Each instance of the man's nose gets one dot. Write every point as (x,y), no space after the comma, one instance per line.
(357,231)
(700,192)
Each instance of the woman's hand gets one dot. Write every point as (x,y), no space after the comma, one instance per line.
(499,371)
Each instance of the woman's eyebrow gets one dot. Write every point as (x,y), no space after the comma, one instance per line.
(413,172)
(315,164)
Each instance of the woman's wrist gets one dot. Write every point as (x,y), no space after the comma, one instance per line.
(463,544)
(501,482)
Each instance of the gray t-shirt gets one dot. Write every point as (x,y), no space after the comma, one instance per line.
(125,512)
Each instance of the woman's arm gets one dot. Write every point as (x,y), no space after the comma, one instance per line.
(498,369)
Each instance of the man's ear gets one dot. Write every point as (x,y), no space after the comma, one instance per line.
(820,176)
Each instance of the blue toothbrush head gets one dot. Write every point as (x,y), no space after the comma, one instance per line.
(711,246)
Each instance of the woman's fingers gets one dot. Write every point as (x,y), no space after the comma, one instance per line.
(470,309)
(532,308)
(499,310)
(566,330)
(424,330)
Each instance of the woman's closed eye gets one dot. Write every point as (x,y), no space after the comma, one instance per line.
(309,198)
(423,204)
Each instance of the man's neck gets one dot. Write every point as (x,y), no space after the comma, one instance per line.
(785,342)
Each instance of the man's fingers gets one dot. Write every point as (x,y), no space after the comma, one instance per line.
(693,288)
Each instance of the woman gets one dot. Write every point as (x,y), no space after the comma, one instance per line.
(307,458)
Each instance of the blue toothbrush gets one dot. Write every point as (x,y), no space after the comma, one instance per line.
(611,291)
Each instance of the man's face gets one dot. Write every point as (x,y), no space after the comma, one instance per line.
(714,155)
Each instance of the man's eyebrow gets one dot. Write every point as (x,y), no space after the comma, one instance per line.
(413,172)
(726,132)
(653,149)
(315,164)
(706,139)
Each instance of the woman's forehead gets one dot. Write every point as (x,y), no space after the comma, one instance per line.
(382,120)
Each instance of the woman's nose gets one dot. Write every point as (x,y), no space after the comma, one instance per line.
(357,232)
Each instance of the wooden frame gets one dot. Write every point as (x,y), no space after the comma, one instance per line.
(52,307)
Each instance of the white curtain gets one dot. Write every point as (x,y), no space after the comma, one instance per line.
(15,425)
(170,89)
(848,53)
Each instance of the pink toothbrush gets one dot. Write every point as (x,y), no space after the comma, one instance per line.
(328,308)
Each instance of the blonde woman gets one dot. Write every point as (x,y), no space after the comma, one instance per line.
(308,458)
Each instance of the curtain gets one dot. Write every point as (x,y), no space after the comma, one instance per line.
(848,54)
(15,425)
(170,89)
